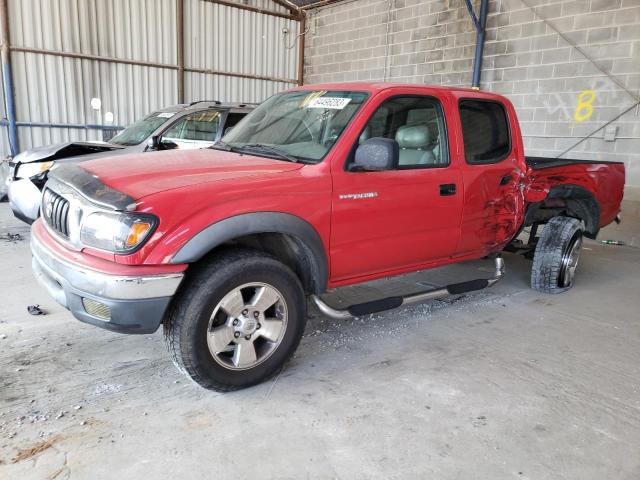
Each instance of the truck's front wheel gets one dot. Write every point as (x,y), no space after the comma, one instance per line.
(236,321)
(556,256)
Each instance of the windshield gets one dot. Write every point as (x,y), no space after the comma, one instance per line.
(304,124)
(138,132)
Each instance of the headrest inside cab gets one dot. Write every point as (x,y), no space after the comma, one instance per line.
(414,137)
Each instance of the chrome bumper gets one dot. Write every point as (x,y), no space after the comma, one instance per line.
(101,284)
(134,304)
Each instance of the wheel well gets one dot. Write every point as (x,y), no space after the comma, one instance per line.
(569,201)
(287,248)
(287,237)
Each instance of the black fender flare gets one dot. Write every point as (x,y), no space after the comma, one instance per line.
(237,226)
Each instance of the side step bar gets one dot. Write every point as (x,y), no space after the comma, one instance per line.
(390,303)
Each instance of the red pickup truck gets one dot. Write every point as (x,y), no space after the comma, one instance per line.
(319,187)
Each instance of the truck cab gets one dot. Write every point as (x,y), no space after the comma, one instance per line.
(319,187)
(454,192)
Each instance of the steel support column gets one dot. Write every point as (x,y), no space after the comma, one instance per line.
(480,23)
(7,78)
(180,48)
(302,26)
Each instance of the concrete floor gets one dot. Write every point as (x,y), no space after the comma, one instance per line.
(502,384)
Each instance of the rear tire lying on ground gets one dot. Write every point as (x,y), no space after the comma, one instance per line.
(556,255)
(236,321)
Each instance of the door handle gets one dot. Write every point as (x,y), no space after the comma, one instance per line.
(447,189)
(506,179)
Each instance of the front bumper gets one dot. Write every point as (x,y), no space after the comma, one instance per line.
(122,303)
(24,198)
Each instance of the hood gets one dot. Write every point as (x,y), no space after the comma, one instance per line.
(64,150)
(139,175)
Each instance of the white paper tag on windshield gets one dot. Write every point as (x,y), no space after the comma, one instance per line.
(165,114)
(336,103)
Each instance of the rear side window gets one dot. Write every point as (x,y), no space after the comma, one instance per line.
(485,131)
(233,119)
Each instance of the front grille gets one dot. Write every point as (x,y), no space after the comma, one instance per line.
(55,210)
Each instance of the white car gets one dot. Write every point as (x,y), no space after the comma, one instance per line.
(197,125)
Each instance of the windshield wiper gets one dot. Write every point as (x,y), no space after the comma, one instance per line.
(274,150)
(225,146)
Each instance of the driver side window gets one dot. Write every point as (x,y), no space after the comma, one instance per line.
(417,125)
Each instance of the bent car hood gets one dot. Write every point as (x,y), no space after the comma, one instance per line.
(65,150)
(139,175)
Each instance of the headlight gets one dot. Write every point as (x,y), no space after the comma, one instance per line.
(28,170)
(117,232)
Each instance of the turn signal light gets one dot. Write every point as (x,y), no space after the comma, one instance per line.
(137,232)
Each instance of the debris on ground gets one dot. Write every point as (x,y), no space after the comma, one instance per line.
(12,237)
(612,242)
(34,450)
(35,310)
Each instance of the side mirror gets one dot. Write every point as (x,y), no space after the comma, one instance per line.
(166,144)
(152,143)
(158,143)
(376,155)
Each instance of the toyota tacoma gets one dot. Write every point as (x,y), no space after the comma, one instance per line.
(318,188)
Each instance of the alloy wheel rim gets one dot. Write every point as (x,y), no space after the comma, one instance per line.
(569,262)
(247,326)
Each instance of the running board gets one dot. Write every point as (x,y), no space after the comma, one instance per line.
(390,303)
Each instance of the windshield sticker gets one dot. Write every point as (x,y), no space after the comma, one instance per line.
(334,103)
(165,114)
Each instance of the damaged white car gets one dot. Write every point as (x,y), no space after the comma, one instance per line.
(197,125)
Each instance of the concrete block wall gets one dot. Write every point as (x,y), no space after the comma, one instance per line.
(549,57)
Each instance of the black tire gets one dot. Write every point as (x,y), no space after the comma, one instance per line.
(187,324)
(552,271)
